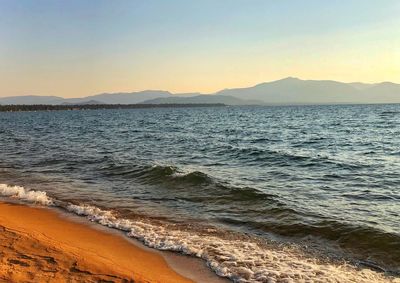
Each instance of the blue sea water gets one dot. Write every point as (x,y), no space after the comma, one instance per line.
(321,179)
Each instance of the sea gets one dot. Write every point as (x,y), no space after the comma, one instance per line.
(260,193)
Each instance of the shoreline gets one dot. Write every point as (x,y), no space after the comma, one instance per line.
(39,243)
(59,233)
(74,107)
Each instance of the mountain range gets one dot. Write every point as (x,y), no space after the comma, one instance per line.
(283,92)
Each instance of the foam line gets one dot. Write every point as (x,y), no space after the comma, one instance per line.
(17,192)
(239,258)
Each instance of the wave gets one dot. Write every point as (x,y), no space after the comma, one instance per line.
(195,177)
(23,194)
(210,188)
(157,173)
(384,113)
(237,256)
(264,156)
(361,242)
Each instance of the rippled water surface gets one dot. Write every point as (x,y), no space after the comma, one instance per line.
(324,175)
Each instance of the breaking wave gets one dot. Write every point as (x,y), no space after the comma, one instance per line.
(237,256)
(20,193)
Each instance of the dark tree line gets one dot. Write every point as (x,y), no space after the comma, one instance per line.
(46,107)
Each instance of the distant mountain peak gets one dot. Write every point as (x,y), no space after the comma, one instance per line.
(146,91)
(290,90)
(388,84)
(293,90)
(290,79)
(281,81)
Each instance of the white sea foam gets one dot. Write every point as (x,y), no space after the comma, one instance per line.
(17,192)
(238,259)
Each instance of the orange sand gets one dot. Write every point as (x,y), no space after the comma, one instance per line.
(40,245)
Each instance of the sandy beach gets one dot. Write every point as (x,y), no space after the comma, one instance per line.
(38,244)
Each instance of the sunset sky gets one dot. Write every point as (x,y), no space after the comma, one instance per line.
(79,48)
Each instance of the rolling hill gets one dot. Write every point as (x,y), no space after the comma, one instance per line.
(286,91)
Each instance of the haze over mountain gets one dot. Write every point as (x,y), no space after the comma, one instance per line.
(201,99)
(88,102)
(295,91)
(286,91)
(31,99)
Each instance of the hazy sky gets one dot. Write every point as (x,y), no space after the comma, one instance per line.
(78,48)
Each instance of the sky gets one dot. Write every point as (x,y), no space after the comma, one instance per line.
(77,48)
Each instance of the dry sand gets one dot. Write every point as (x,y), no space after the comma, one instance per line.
(40,245)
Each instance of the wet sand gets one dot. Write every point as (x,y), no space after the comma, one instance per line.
(41,245)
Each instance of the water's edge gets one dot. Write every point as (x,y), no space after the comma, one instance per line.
(227,257)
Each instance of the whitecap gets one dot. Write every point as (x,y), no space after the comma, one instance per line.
(18,192)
